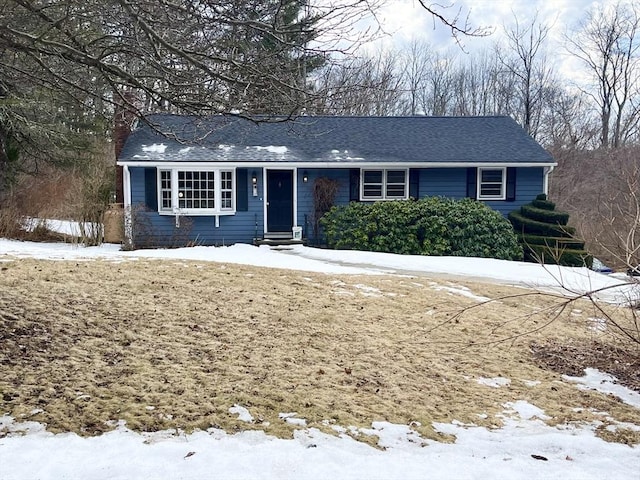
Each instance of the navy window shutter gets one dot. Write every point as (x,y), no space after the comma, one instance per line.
(150,189)
(414,183)
(354,185)
(472,181)
(511,184)
(242,190)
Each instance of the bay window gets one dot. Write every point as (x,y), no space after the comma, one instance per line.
(196,192)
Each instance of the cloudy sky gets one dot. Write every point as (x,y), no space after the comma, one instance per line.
(406,18)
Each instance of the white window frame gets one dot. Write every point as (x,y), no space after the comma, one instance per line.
(503,184)
(218,209)
(384,195)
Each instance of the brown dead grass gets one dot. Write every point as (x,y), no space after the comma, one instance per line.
(168,344)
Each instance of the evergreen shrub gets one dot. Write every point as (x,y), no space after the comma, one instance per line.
(521,223)
(542,215)
(545,236)
(553,242)
(429,226)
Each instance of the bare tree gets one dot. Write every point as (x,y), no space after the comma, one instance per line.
(200,56)
(436,97)
(608,45)
(416,63)
(368,85)
(459,24)
(526,62)
(617,218)
(567,121)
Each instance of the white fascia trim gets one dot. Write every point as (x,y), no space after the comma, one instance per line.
(324,165)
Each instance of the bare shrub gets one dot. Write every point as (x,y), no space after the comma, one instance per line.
(324,195)
(44,194)
(10,219)
(600,189)
(88,199)
(143,234)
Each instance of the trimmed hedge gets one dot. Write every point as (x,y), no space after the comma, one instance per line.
(553,242)
(543,204)
(429,226)
(572,258)
(545,236)
(542,215)
(522,224)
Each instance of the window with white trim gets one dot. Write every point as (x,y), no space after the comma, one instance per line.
(384,184)
(196,192)
(491,183)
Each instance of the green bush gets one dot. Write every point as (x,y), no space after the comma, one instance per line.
(543,204)
(558,256)
(545,236)
(534,227)
(553,242)
(543,215)
(430,226)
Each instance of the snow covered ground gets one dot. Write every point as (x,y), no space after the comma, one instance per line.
(524,448)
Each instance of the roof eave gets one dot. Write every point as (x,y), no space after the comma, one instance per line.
(325,164)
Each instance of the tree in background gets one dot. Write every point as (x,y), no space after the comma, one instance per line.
(526,63)
(608,45)
(64,64)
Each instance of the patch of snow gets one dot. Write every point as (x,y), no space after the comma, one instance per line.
(495,382)
(280,150)
(394,436)
(605,383)
(368,291)
(242,412)
(292,419)
(597,324)
(531,383)
(185,150)
(525,410)
(155,148)
(66,227)
(460,290)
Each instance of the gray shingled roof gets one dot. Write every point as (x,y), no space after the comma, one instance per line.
(333,139)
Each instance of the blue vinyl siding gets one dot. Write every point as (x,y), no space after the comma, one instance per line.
(529,184)
(306,213)
(150,228)
(443,182)
(452,183)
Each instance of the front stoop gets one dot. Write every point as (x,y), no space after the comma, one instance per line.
(277,242)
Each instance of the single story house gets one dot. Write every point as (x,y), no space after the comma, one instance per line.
(224,179)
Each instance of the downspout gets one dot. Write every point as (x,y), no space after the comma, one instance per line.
(545,180)
(128,220)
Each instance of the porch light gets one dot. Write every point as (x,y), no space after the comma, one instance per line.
(254,184)
(305,176)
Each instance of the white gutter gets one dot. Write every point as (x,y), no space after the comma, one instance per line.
(545,180)
(336,164)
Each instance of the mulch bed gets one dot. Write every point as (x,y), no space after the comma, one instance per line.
(573,358)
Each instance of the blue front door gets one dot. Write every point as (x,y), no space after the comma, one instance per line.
(279,201)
